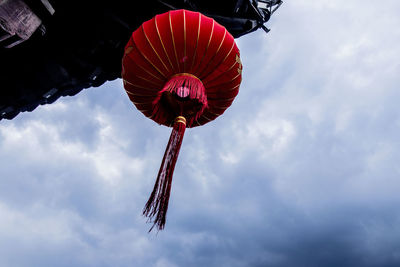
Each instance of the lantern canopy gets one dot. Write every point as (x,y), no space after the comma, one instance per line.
(180,69)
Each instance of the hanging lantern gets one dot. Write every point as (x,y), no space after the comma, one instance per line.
(180,69)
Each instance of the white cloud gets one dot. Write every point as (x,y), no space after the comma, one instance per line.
(304,161)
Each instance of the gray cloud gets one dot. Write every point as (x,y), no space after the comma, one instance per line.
(302,170)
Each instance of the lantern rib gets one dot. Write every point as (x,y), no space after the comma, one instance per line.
(221,84)
(141,103)
(222,108)
(144,112)
(216,106)
(149,61)
(147,71)
(236,87)
(173,38)
(147,80)
(208,44)
(230,51)
(134,94)
(162,43)
(204,116)
(216,53)
(184,41)
(223,99)
(209,111)
(152,47)
(227,90)
(197,42)
(139,86)
(142,68)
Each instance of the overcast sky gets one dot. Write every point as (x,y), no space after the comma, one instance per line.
(302,170)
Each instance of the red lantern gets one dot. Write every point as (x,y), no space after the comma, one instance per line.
(180,69)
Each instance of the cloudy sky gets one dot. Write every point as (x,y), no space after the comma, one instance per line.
(302,170)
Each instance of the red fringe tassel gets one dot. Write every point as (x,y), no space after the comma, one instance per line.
(184,85)
(157,205)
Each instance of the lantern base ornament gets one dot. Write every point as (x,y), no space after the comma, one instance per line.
(184,94)
(157,205)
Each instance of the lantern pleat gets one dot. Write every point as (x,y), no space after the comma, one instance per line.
(195,91)
(148,28)
(208,60)
(219,65)
(165,34)
(192,36)
(224,68)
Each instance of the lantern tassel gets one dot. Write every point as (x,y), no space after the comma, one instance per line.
(186,87)
(157,205)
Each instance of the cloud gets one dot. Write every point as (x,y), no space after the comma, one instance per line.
(302,169)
